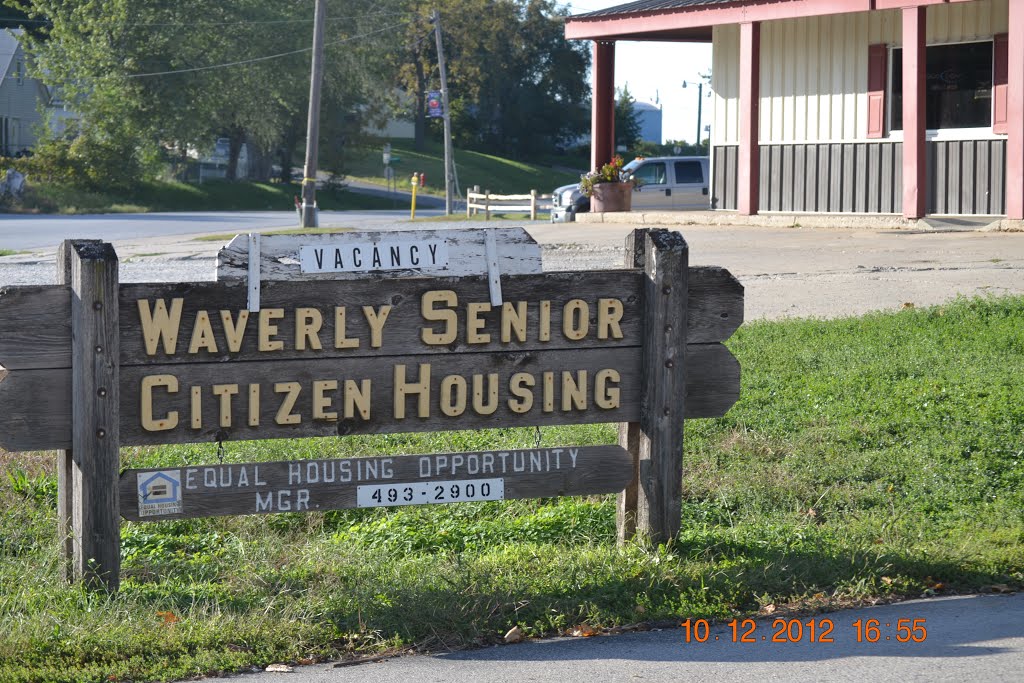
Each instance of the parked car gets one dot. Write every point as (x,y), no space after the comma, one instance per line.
(664,183)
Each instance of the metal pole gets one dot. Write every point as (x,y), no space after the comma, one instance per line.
(448,162)
(309,213)
(700,102)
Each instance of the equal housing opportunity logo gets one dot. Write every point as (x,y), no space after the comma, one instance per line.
(160,493)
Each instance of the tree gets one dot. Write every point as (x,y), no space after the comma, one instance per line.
(627,124)
(515,84)
(174,75)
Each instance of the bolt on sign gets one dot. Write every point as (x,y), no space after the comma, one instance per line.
(363,333)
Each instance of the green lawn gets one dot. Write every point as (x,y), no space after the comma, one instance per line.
(500,176)
(868,458)
(210,196)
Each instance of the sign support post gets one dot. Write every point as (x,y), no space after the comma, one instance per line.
(95,395)
(651,506)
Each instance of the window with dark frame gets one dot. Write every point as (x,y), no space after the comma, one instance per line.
(958,86)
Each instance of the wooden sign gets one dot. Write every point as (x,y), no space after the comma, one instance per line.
(301,341)
(359,357)
(308,485)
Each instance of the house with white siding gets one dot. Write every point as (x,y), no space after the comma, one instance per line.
(23,100)
(912,107)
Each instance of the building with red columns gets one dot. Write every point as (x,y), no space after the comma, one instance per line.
(911,107)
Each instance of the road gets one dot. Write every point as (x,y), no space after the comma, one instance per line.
(967,639)
(24,232)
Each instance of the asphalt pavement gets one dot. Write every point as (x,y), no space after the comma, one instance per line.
(963,639)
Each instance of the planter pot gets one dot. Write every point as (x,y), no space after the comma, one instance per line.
(612,197)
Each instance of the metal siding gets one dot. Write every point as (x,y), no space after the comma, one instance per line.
(725,169)
(733,157)
(997,181)
(814,70)
(725,84)
(967,156)
(799,193)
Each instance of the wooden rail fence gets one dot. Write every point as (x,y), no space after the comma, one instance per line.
(505,203)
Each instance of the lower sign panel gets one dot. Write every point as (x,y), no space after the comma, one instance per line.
(426,493)
(379,481)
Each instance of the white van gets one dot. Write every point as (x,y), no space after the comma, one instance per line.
(665,183)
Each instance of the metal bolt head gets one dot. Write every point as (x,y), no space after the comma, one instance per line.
(101,392)
(667,289)
(100,433)
(99,349)
(97,306)
(670,363)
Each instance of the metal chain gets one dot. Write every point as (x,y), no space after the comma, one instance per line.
(220,446)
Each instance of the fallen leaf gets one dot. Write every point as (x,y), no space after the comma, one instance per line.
(584,630)
(168,617)
(887,580)
(640,609)
(279,669)
(305,662)
(514,635)
(908,304)
(769,608)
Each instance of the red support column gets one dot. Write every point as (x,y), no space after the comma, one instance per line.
(1015,114)
(749,158)
(915,153)
(602,112)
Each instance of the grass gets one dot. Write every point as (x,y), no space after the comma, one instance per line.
(499,175)
(175,196)
(868,459)
(9,252)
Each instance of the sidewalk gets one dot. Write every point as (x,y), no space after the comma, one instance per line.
(962,639)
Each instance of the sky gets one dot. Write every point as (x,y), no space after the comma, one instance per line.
(648,69)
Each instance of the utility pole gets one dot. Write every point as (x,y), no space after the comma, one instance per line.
(435,19)
(309,213)
(700,103)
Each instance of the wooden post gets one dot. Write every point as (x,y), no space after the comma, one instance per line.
(65,458)
(533,205)
(95,396)
(660,440)
(487,205)
(629,432)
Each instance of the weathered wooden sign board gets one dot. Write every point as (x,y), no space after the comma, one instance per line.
(92,365)
(306,485)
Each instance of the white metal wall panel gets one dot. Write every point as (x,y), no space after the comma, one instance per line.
(814,70)
(725,82)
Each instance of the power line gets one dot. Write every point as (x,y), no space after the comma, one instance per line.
(193,24)
(261,59)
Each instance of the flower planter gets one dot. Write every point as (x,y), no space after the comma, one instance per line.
(611,197)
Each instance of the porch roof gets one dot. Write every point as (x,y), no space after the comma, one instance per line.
(693,20)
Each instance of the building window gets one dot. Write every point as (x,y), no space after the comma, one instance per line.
(19,73)
(958,86)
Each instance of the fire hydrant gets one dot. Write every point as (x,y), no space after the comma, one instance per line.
(415,183)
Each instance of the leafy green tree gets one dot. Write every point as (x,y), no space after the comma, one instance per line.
(171,76)
(627,124)
(515,84)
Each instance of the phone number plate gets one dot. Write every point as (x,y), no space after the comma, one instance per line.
(426,492)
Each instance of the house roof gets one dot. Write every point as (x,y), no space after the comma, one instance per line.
(693,20)
(9,47)
(653,5)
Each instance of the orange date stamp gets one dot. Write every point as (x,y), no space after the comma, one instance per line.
(812,630)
